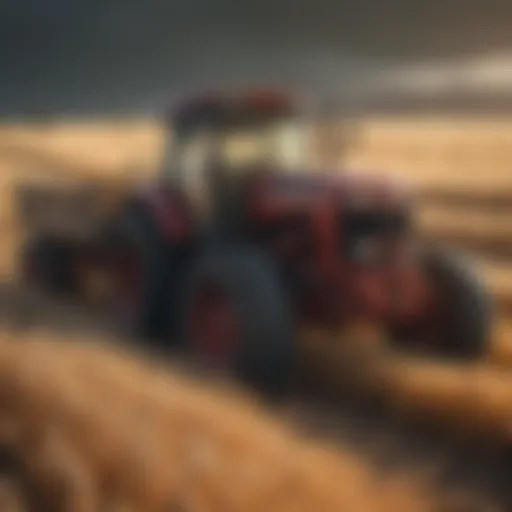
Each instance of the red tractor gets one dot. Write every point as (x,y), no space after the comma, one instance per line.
(239,241)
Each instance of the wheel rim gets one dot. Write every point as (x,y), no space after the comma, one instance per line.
(212,324)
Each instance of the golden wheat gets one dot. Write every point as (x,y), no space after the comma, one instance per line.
(97,430)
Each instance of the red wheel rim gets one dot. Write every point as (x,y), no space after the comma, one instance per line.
(212,324)
(127,280)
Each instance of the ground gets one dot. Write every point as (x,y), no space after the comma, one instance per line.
(114,430)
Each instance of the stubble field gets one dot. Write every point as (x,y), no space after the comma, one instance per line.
(99,428)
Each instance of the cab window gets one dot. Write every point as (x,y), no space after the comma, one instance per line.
(283,144)
(187,158)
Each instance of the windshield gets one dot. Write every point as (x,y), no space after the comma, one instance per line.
(281,144)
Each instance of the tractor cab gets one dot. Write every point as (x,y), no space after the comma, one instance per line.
(217,143)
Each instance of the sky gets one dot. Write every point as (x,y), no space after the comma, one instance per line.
(136,55)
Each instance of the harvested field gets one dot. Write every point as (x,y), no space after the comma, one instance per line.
(466,223)
(95,429)
(471,400)
(108,429)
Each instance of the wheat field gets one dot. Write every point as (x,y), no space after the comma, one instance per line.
(101,430)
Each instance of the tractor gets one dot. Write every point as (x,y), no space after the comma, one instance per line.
(240,240)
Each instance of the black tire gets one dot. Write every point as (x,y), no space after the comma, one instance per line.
(462,328)
(47,262)
(465,333)
(135,227)
(265,355)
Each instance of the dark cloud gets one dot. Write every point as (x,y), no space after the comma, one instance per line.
(122,54)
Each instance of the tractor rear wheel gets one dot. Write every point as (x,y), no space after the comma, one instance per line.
(237,318)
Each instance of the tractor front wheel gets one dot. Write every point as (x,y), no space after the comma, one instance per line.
(458,323)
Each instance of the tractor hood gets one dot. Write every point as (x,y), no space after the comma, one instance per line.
(354,188)
(280,192)
(371,187)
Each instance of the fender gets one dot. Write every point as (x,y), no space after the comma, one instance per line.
(168,209)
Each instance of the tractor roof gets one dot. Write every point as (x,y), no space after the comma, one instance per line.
(225,108)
